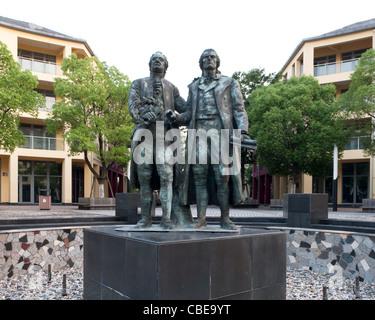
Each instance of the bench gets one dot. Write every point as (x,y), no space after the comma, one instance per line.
(96,203)
(368,205)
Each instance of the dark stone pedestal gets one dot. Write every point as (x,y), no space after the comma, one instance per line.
(304,209)
(176,265)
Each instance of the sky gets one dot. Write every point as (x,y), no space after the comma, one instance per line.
(246,34)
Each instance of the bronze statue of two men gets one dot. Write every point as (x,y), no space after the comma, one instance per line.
(214,113)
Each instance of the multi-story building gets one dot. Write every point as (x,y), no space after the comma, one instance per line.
(43,162)
(331,58)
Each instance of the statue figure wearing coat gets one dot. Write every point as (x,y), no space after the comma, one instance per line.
(149,99)
(214,102)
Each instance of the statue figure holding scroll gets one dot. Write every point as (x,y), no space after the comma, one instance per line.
(215,105)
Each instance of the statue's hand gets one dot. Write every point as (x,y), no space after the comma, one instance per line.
(149,101)
(171,115)
(149,116)
(244,135)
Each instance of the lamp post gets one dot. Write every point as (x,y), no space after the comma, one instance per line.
(335,162)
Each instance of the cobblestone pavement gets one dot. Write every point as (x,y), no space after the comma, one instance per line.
(22,211)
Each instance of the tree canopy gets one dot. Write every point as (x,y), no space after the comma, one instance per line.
(249,81)
(359,101)
(297,124)
(93,112)
(253,79)
(17,96)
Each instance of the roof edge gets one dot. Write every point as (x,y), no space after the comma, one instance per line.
(46,32)
(350,29)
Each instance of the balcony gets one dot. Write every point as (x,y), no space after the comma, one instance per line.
(357,142)
(50,101)
(335,67)
(38,65)
(43,143)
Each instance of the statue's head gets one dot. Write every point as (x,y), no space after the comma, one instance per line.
(158,63)
(209,54)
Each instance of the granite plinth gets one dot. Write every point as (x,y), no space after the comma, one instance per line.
(249,264)
(304,209)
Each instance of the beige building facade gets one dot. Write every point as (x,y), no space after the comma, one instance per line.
(331,58)
(42,165)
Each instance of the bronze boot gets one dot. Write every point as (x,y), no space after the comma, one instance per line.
(202,200)
(146,220)
(225,222)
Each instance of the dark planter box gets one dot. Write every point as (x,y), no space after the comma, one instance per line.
(304,209)
(127,205)
(184,265)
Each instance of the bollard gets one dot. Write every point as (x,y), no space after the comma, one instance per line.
(325,295)
(49,274)
(64,286)
(356,289)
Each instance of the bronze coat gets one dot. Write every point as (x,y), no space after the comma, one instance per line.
(229,102)
(139,90)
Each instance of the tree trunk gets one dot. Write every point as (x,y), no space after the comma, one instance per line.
(101,187)
(294,176)
(101,179)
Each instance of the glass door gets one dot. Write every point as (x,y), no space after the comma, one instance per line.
(348,189)
(39,178)
(40,187)
(355,182)
(362,181)
(24,191)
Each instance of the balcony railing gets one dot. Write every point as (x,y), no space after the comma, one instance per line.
(335,67)
(357,142)
(43,143)
(50,101)
(37,65)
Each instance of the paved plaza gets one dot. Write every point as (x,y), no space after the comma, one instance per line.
(22,211)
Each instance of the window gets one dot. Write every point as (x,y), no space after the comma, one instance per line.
(353,54)
(326,59)
(358,142)
(24,167)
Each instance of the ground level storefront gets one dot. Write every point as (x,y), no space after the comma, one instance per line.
(23,180)
(355,179)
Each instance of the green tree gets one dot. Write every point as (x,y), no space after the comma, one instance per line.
(93,113)
(297,123)
(249,81)
(359,101)
(253,79)
(17,95)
